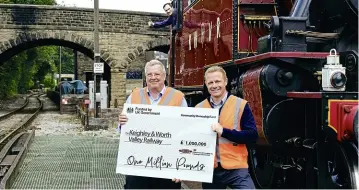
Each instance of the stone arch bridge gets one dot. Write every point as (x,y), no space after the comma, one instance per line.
(124,36)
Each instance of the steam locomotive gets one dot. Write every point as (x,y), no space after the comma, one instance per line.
(296,63)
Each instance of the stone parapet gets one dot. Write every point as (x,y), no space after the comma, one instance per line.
(124,38)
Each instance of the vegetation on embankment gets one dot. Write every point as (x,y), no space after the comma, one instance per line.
(22,71)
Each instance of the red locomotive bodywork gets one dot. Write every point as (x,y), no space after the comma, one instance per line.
(250,29)
(206,37)
(341,115)
(275,53)
(201,42)
(253,95)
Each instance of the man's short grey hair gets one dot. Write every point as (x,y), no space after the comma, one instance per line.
(153,63)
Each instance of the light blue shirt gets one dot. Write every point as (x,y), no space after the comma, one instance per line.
(220,104)
(158,99)
(153,101)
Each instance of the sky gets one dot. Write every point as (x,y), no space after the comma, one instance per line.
(134,5)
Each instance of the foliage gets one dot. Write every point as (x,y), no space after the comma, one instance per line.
(67,60)
(32,67)
(10,74)
(49,81)
(23,71)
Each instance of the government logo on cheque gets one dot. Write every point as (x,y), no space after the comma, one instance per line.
(129,110)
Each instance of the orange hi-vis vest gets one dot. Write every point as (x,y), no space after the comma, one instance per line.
(171,97)
(230,154)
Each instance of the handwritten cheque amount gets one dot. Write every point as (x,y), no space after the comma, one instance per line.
(168,142)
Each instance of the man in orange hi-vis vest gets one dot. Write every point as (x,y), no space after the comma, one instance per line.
(235,128)
(156,93)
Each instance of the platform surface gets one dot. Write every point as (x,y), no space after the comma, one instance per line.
(70,162)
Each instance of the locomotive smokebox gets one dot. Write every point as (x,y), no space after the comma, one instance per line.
(285,121)
(281,116)
(279,80)
(265,88)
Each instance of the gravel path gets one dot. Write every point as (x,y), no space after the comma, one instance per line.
(13,103)
(53,123)
(12,123)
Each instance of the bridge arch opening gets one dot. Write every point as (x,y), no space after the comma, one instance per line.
(161,44)
(24,42)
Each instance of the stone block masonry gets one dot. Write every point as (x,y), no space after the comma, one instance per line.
(124,35)
(76,19)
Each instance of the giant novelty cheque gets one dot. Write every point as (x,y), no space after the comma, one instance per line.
(168,142)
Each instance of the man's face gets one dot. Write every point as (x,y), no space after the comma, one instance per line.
(168,9)
(216,84)
(155,78)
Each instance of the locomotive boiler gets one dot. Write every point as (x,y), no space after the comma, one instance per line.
(296,63)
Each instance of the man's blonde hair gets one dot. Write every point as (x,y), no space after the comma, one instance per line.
(216,69)
(154,62)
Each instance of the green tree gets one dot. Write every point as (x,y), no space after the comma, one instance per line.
(44,58)
(10,75)
(67,60)
(21,72)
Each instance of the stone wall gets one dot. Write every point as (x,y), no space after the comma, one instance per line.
(84,64)
(124,36)
(76,19)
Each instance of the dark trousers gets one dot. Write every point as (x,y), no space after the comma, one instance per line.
(235,179)
(139,182)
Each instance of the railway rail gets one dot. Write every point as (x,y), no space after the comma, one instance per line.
(8,132)
(14,139)
(12,112)
(11,157)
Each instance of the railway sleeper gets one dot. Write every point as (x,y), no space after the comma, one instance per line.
(8,160)
(3,170)
(6,163)
(28,111)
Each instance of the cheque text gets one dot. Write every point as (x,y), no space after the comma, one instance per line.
(152,137)
(159,162)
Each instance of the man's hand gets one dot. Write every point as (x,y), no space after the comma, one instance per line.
(150,23)
(176,180)
(217,128)
(123,119)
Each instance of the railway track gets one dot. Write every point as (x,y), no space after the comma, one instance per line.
(14,122)
(12,155)
(14,138)
(10,113)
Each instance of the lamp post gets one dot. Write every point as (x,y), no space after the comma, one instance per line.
(60,90)
(97,54)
